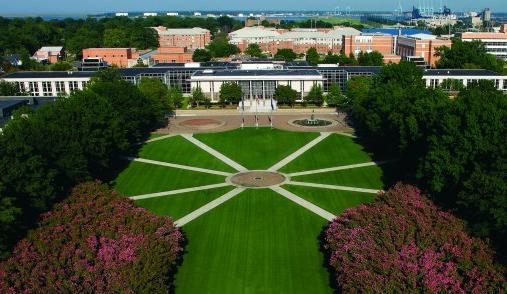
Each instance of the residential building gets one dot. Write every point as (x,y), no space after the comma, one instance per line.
(299,40)
(120,57)
(421,45)
(49,54)
(495,43)
(171,55)
(194,38)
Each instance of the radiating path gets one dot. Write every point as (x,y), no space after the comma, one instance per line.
(336,168)
(207,207)
(333,187)
(180,166)
(298,152)
(179,191)
(215,153)
(306,204)
(161,138)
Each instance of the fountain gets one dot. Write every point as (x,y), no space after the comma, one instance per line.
(313,122)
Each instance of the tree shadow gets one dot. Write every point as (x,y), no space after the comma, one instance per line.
(177,264)
(325,263)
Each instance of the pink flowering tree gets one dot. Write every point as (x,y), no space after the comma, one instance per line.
(94,242)
(402,243)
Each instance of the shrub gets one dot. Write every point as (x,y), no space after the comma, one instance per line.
(403,243)
(94,241)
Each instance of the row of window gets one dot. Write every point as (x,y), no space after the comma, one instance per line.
(436,82)
(47,87)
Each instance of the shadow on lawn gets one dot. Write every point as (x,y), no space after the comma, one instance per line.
(327,257)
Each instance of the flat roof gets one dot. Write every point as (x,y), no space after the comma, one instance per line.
(242,73)
(48,74)
(9,103)
(460,72)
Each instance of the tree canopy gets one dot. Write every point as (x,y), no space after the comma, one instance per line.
(286,55)
(285,95)
(230,93)
(220,47)
(312,56)
(374,58)
(201,55)
(254,50)
(468,55)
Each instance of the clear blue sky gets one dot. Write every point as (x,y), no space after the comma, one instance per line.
(91,6)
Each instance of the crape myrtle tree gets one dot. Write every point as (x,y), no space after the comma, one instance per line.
(316,95)
(285,95)
(95,241)
(402,243)
(44,153)
(286,55)
(312,56)
(230,92)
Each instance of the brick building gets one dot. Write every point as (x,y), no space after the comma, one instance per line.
(421,45)
(51,54)
(120,57)
(383,43)
(194,38)
(495,43)
(299,40)
(172,55)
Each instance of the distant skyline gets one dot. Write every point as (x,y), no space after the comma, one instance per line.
(98,6)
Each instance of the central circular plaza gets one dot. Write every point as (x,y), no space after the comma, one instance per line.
(257,179)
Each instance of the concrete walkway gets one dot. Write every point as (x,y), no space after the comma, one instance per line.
(179,166)
(308,205)
(179,191)
(333,187)
(336,168)
(215,153)
(298,152)
(207,207)
(161,138)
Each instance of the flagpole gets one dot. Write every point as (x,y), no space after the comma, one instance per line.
(256,111)
(242,111)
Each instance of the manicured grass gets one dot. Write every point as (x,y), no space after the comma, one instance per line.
(141,178)
(155,135)
(177,206)
(364,177)
(257,242)
(181,151)
(335,150)
(333,201)
(257,148)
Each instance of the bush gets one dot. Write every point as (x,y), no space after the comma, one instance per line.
(95,241)
(403,243)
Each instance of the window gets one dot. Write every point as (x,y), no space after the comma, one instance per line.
(73,86)
(47,89)
(497,84)
(33,88)
(60,87)
(505,84)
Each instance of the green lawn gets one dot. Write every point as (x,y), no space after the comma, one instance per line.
(333,201)
(335,150)
(141,178)
(155,135)
(179,205)
(257,148)
(181,151)
(364,177)
(257,242)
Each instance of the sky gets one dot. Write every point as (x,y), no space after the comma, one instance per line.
(96,6)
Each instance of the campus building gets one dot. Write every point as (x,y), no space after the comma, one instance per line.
(299,40)
(50,55)
(421,45)
(257,81)
(495,43)
(194,38)
(369,42)
(120,57)
(171,55)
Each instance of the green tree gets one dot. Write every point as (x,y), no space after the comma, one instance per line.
(452,85)
(286,55)
(285,95)
(230,93)
(157,94)
(468,55)
(334,96)
(201,55)
(220,47)
(115,38)
(316,95)
(9,89)
(331,58)
(374,58)
(197,96)
(175,97)
(254,50)
(61,66)
(312,56)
